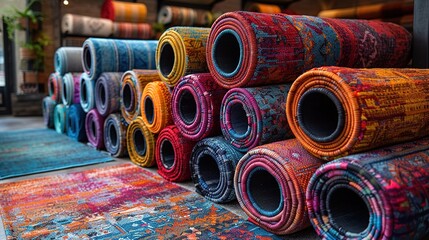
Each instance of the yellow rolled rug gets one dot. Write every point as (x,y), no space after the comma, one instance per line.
(156,106)
(140,144)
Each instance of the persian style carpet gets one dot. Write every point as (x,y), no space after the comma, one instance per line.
(41,150)
(117,202)
(336,111)
(381,194)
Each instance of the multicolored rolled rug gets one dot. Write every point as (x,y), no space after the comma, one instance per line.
(86,92)
(381,194)
(182,16)
(270,183)
(156,106)
(213,164)
(48,109)
(94,128)
(132,30)
(250,117)
(196,101)
(107,93)
(335,111)
(172,155)
(133,84)
(68,59)
(73,24)
(141,143)
(70,92)
(114,55)
(251,49)
(60,118)
(115,133)
(76,123)
(55,83)
(181,51)
(119,11)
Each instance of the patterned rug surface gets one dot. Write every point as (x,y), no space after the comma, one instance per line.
(26,152)
(115,202)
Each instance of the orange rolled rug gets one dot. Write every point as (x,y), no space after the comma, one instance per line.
(156,106)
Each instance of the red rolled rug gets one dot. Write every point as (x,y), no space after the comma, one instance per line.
(55,85)
(172,154)
(119,11)
(195,106)
(132,30)
(250,49)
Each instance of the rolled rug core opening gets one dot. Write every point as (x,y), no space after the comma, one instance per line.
(227,52)
(167,59)
(238,119)
(353,220)
(113,137)
(128,97)
(264,191)
(139,142)
(209,171)
(51,88)
(187,107)
(149,109)
(320,115)
(102,92)
(87,59)
(167,154)
(64,92)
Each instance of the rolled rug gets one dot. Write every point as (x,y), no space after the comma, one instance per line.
(60,118)
(73,24)
(132,30)
(380,194)
(76,123)
(195,106)
(71,88)
(55,83)
(87,99)
(94,127)
(181,51)
(250,117)
(68,59)
(270,184)
(107,93)
(182,16)
(114,55)
(141,144)
(115,133)
(172,154)
(213,164)
(119,11)
(133,84)
(251,49)
(156,106)
(262,8)
(48,107)
(336,111)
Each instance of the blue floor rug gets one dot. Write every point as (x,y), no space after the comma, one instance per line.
(41,150)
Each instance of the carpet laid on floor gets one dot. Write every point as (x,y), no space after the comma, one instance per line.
(122,201)
(41,150)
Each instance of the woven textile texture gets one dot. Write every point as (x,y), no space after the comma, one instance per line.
(262,8)
(116,202)
(250,117)
(32,151)
(156,106)
(119,11)
(55,83)
(172,155)
(76,123)
(372,11)
(132,30)
(114,55)
(270,183)
(380,194)
(86,92)
(94,128)
(68,59)
(60,118)
(70,92)
(250,49)
(336,111)
(73,24)
(115,133)
(181,51)
(182,16)
(195,106)
(213,164)
(48,107)
(133,84)
(141,143)
(108,93)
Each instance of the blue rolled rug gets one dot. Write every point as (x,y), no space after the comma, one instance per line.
(114,55)
(68,59)
(48,106)
(76,123)
(60,118)
(115,133)
(108,93)
(213,163)
(87,98)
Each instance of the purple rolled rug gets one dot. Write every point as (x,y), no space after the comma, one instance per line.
(94,127)
(71,88)
(108,93)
